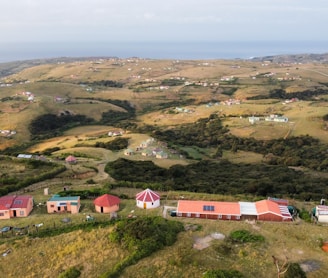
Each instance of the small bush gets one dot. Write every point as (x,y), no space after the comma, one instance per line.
(72,272)
(223,274)
(245,236)
(294,271)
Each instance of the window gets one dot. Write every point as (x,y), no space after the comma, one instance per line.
(219,216)
(179,214)
(52,206)
(197,215)
(228,216)
(237,217)
(18,202)
(208,208)
(2,214)
(21,213)
(188,214)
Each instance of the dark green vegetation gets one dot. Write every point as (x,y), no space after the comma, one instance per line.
(281,94)
(294,271)
(50,125)
(115,145)
(223,274)
(105,83)
(209,133)
(142,237)
(243,236)
(34,171)
(221,177)
(72,272)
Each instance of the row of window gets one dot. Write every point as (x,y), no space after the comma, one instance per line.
(21,213)
(219,216)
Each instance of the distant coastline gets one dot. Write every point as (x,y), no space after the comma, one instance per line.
(159,50)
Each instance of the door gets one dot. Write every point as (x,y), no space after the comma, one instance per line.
(15,214)
(145,205)
(101,209)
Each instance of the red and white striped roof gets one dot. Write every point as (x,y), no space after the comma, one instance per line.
(147,196)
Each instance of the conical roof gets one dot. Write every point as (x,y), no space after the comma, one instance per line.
(147,196)
(107,200)
(70,158)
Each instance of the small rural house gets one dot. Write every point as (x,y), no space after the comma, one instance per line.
(15,206)
(114,133)
(128,152)
(59,204)
(71,159)
(162,155)
(265,210)
(148,199)
(107,203)
(321,213)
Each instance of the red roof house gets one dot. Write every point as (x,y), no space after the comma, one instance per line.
(148,199)
(107,203)
(15,206)
(268,210)
(209,210)
(71,159)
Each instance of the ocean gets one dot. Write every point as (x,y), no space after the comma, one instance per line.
(159,50)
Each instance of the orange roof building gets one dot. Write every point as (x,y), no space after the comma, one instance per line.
(265,210)
(268,210)
(107,203)
(209,210)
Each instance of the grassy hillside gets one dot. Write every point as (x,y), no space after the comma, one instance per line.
(197,113)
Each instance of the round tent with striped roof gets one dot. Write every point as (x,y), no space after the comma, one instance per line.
(148,199)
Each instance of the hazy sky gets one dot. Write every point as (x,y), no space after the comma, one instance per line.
(168,20)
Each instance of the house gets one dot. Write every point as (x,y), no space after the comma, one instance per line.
(253,119)
(71,159)
(107,203)
(128,152)
(59,204)
(26,156)
(264,210)
(146,152)
(321,213)
(276,118)
(15,206)
(268,210)
(115,133)
(148,199)
(209,210)
(162,155)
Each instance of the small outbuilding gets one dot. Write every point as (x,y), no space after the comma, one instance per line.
(148,199)
(71,159)
(107,203)
(58,204)
(321,212)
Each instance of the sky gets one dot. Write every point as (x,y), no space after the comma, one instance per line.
(169,20)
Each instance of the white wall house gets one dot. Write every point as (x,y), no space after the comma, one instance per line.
(147,199)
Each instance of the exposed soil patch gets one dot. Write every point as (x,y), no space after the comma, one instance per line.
(201,243)
(309,266)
